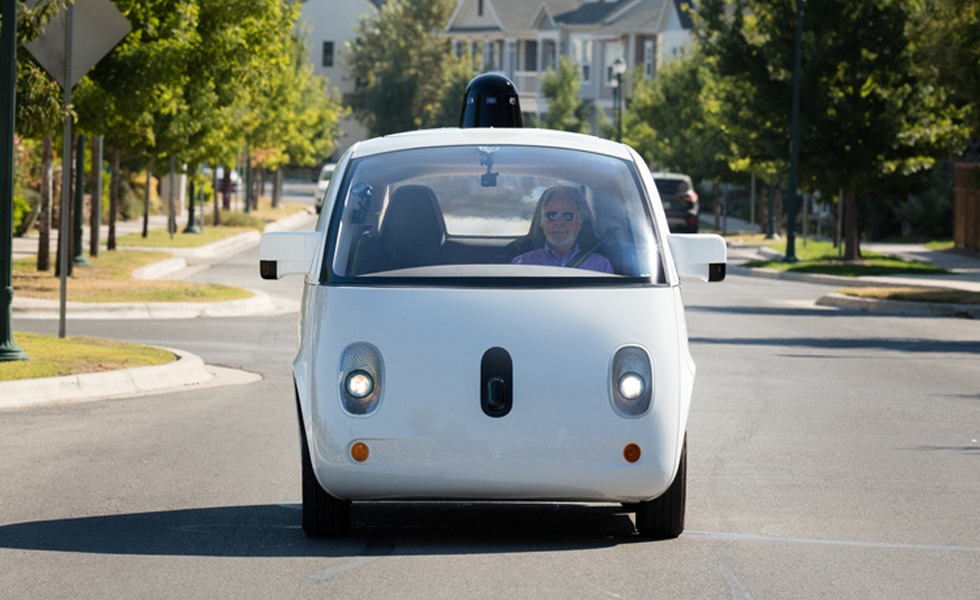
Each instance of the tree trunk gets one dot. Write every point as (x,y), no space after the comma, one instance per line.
(852,230)
(146,198)
(47,193)
(218,197)
(226,189)
(764,209)
(779,212)
(114,182)
(276,188)
(95,212)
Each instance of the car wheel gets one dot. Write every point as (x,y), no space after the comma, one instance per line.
(663,518)
(323,514)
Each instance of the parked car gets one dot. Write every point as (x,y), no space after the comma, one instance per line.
(446,353)
(322,182)
(680,201)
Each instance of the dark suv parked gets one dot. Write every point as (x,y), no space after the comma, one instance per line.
(680,201)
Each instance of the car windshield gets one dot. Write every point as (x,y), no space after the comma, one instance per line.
(504,212)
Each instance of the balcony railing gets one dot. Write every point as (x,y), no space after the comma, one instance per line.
(527,82)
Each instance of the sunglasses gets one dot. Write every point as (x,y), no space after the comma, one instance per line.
(565,216)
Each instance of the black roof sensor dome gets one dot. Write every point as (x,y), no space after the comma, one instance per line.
(491,100)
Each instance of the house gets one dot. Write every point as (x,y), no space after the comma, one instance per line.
(327,26)
(522,39)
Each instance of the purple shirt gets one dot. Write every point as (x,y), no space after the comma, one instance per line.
(547,256)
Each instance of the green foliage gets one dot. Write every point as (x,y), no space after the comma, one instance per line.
(39,103)
(400,59)
(459,72)
(300,117)
(22,210)
(566,111)
(868,115)
(241,219)
(667,120)
(200,79)
(946,35)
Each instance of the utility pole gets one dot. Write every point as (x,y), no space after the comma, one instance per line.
(794,161)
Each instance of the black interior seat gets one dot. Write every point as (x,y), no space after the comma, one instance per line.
(413,231)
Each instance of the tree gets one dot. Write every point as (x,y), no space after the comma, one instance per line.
(867,116)
(399,60)
(947,43)
(667,120)
(459,72)
(299,117)
(135,94)
(566,112)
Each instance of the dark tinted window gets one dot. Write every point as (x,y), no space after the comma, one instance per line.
(672,186)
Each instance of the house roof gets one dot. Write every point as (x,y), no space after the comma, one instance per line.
(590,13)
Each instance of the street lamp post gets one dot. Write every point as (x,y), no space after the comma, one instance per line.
(794,161)
(618,68)
(192,226)
(9,350)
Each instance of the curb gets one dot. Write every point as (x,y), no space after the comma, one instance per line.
(33,308)
(895,307)
(187,371)
(159,270)
(901,307)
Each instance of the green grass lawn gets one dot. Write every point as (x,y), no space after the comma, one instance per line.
(50,356)
(109,279)
(821,257)
(159,238)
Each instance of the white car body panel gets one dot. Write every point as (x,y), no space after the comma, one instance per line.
(429,438)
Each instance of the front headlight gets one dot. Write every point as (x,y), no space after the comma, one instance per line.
(360,377)
(631,381)
(359,384)
(632,386)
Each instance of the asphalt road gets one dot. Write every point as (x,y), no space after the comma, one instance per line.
(833,454)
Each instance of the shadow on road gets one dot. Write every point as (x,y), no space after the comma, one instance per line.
(912,345)
(379,529)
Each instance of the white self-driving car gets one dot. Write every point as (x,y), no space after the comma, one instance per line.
(493,314)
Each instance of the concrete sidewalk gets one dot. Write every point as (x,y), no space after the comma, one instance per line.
(187,371)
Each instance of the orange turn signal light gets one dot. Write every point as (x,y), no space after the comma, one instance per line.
(631,453)
(359,452)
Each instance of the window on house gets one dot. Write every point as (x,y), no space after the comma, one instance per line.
(327,54)
(479,8)
(582,57)
(531,56)
(648,59)
(549,55)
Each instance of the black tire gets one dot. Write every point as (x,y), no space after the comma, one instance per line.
(663,518)
(323,514)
